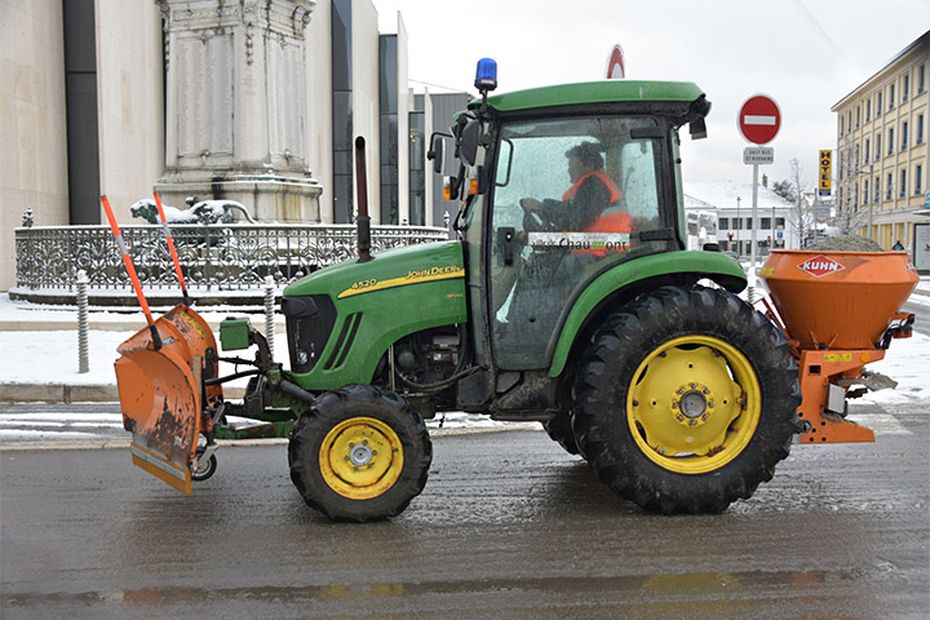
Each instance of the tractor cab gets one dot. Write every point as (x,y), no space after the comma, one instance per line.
(558,186)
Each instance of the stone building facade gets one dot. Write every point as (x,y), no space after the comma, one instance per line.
(883,149)
(253,100)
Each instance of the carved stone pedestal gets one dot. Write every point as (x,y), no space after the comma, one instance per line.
(236,106)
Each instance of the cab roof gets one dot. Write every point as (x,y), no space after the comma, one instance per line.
(602,91)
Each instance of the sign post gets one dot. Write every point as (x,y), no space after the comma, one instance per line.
(759,120)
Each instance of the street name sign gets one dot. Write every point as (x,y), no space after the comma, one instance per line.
(759,119)
(758,155)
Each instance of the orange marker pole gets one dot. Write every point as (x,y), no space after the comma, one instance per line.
(174,253)
(131,270)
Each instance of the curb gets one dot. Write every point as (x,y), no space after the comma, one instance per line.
(57,393)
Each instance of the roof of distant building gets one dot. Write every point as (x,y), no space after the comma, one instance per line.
(724,195)
(922,39)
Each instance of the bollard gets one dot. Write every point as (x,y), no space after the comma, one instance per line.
(269,313)
(82,281)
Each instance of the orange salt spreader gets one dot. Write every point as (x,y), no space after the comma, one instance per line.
(839,311)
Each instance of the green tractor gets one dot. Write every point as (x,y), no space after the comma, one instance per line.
(567,298)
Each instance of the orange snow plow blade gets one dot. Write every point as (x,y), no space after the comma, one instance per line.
(161,393)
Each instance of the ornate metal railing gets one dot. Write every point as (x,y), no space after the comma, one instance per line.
(218,258)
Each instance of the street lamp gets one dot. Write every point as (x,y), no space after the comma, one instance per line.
(739,226)
(872,178)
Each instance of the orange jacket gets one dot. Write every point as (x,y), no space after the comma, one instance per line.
(605,223)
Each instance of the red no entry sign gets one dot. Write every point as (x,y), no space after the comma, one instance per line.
(759,119)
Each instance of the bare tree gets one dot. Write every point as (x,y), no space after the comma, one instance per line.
(802,219)
(849,221)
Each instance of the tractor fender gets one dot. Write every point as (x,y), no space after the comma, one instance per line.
(634,277)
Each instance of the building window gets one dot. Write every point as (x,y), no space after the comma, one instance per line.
(724,223)
(905,87)
(868,110)
(865,192)
(890,140)
(918,179)
(902,191)
(891,97)
(842,128)
(920,79)
(877,189)
(920,129)
(747,221)
(858,117)
(849,121)
(878,106)
(780,223)
(766,223)
(904,134)
(889,183)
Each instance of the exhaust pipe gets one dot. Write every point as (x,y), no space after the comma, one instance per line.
(363,223)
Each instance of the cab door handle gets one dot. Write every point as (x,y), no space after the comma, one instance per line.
(505,241)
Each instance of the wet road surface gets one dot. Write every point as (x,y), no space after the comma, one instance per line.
(509,526)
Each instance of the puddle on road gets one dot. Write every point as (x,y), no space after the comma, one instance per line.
(634,588)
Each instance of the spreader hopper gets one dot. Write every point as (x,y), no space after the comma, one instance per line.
(840,311)
(838,300)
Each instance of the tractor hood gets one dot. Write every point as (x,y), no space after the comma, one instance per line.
(404,266)
(361,309)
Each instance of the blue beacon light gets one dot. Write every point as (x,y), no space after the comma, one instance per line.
(486,75)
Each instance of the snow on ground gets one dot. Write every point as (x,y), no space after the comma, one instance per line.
(25,312)
(907,361)
(51,357)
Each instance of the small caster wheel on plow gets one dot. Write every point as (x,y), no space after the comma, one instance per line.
(205,466)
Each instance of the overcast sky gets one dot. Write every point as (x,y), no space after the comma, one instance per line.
(806,54)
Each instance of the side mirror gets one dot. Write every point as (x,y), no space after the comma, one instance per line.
(436,152)
(468,142)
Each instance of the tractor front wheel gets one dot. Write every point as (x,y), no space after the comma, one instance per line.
(685,400)
(360,454)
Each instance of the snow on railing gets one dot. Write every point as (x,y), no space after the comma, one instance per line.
(218,258)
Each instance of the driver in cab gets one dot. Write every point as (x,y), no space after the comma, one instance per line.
(583,204)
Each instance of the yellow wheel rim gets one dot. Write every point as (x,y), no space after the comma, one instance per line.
(361,458)
(694,404)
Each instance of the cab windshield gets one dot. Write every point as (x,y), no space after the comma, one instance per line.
(572,197)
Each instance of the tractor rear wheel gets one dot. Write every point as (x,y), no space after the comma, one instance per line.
(685,400)
(360,454)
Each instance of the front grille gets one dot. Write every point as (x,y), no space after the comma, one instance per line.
(309,325)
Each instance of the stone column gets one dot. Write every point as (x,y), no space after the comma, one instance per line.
(236,104)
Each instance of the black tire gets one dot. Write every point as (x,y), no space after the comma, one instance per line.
(606,374)
(559,429)
(359,401)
